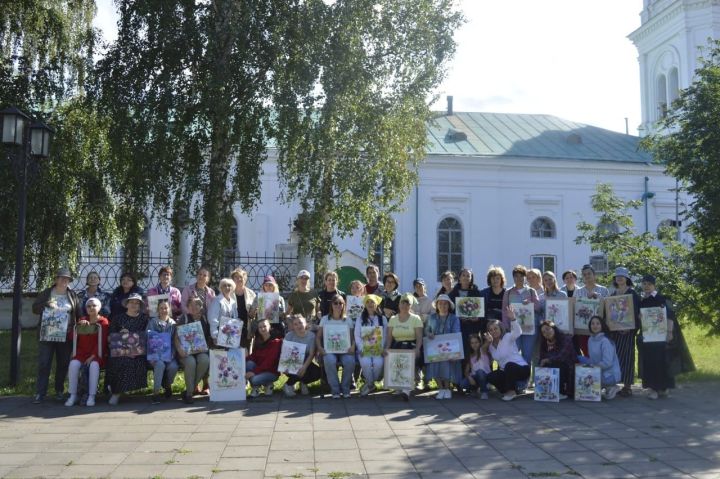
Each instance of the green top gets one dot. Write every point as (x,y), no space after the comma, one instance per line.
(304,303)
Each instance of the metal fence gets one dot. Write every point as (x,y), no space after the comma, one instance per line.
(283,268)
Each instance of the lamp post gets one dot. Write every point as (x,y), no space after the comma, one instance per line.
(27,142)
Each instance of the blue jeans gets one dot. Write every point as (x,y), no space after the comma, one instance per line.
(331,371)
(526,343)
(46,351)
(480,378)
(260,379)
(164,374)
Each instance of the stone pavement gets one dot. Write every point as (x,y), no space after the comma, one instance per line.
(378,437)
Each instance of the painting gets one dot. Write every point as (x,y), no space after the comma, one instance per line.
(654,324)
(229,332)
(547,384)
(399,369)
(354,306)
(269,307)
(470,307)
(525,316)
(619,312)
(372,340)
(192,338)
(127,344)
(443,347)
(588,386)
(584,309)
(336,338)
(54,325)
(292,357)
(558,311)
(158,346)
(227,375)
(153,302)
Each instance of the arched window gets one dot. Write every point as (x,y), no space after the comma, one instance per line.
(662,99)
(381,254)
(542,227)
(673,85)
(450,246)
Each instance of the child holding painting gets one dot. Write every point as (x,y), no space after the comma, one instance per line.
(477,369)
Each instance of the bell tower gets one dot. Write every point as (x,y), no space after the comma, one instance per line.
(672,36)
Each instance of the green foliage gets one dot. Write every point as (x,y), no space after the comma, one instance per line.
(688,143)
(351,123)
(667,259)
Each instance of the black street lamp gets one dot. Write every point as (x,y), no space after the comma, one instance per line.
(28,143)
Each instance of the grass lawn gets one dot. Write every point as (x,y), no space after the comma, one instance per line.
(703,348)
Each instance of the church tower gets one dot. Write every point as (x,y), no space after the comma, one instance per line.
(671,38)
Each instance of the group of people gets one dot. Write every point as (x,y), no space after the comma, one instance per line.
(496,350)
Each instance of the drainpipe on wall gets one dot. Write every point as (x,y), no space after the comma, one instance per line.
(417,230)
(645,197)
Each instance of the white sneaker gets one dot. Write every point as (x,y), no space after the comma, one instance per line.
(269,390)
(483,395)
(304,389)
(288,390)
(114,400)
(652,394)
(611,392)
(509,396)
(440,395)
(72,400)
(563,397)
(90,400)
(254,392)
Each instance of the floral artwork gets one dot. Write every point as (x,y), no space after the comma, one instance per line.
(336,338)
(229,332)
(399,369)
(269,307)
(192,338)
(470,307)
(619,312)
(588,384)
(558,311)
(354,306)
(525,316)
(127,344)
(227,375)
(292,357)
(654,324)
(158,346)
(153,302)
(372,340)
(443,347)
(585,308)
(547,384)
(54,324)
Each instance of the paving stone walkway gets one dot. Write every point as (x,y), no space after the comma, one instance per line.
(377,437)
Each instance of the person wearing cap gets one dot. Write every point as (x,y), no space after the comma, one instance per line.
(128,286)
(370,319)
(60,304)
(199,289)
(303,299)
(127,373)
(592,290)
(165,275)
(424,307)
(270,286)
(625,340)
(659,362)
(405,331)
(244,299)
(373,286)
(92,290)
(443,321)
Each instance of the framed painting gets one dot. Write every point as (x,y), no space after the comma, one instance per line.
(443,347)
(292,357)
(525,316)
(336,338)
(547,384)
(127,344)
(470,307)
(654,324)
(192,338)
(229,332)
(588,385)
(269,307)
(583,310)
(372,340)
(54,325)
(399,369)
(227,375)
(558,311)
(354,305)
(153,302)
(159,347)
(619,312)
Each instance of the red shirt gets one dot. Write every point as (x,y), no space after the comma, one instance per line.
(87,344)
(266,357)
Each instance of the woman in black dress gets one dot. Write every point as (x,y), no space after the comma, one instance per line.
(127,373)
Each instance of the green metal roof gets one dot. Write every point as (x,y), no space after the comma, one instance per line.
(525,135)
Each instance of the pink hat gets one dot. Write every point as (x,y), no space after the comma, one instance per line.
(269,279)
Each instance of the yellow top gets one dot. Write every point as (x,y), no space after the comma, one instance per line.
(405,331)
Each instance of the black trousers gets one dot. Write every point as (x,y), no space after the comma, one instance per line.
(504,379)
(312,374)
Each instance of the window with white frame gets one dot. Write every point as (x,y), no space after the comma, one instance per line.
(599,262)
(542,227)
(543,262)
(449,246)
